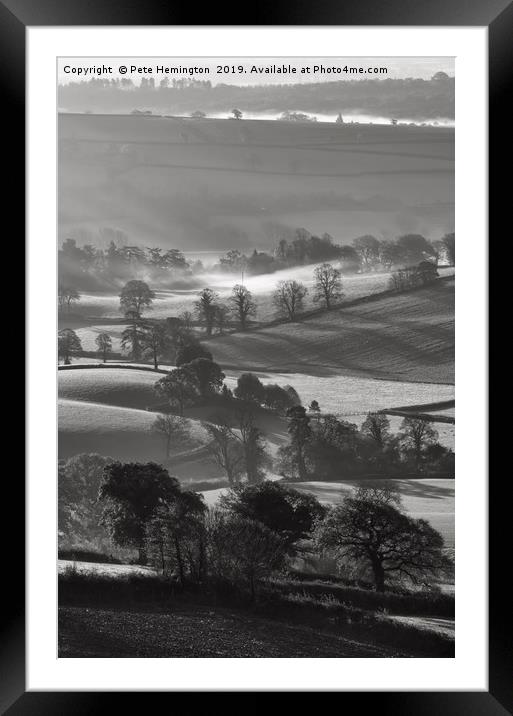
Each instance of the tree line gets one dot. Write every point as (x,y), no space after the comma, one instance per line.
(253,532)
(410,97)
(298,247)
(320,445)
(166,339)
(83,267)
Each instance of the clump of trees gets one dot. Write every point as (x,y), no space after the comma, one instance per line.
(367,253)
(288,512)
(237,444)
(256,529)
(411,277)
(275,397)
(132,493)
(324,447)
(90,266)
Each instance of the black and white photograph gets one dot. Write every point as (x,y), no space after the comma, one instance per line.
(255,349)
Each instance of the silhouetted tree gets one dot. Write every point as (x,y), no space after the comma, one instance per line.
(179,387)
(205,307)
(67,297)
(288,298)
(135,296)
(369,528)
(68,344)
(155,341)
(416,434)
(241,550)
(243,305)
(222,314)
(288,512)
(300,433)
(377,427)
(226,451)
(170,427)
(314,408)
(328,284)
(367,248)
(190,350)
(250,388)
(132,492)
(104,344)
(132,336)
(208,374)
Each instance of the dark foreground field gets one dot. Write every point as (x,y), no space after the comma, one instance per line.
(197,631)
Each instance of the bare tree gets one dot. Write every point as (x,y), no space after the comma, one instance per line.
(240,425)
(369,528)
(288,298)
(243,305)
(170,427)
(67,297)
(155,341)
(226,451)
(328,284)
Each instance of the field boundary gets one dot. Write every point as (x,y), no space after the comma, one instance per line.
(88,366)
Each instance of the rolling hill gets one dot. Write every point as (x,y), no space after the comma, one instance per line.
(211,184)
(104,412)
(407,337)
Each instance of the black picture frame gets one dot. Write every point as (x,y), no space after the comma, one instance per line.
(497,15)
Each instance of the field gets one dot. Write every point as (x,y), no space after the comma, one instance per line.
(408,337)
(125,388)
(194,183)
(104,410)
(200,632)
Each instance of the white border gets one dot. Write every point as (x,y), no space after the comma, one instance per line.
(468,670)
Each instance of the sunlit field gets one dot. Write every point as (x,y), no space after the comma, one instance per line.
(408,337)
(173,302)
(347,397)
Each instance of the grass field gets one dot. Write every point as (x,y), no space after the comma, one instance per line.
(104,411)
(407,337)
(196,182)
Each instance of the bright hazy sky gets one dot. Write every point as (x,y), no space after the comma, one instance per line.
(398,67)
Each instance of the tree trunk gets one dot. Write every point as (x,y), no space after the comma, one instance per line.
(155,361)
(163,561)
(379,575)
(179,561)
(142,554)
